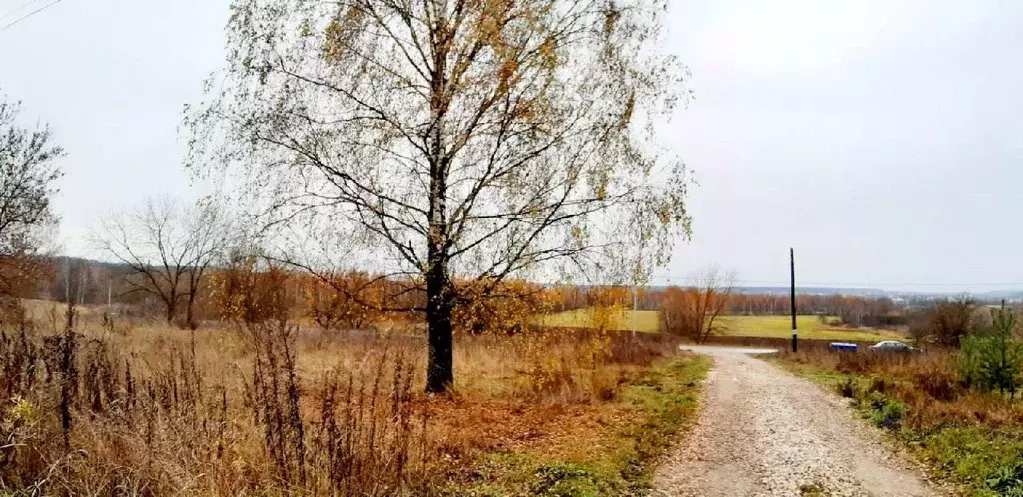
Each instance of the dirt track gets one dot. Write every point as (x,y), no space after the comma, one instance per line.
(764,432)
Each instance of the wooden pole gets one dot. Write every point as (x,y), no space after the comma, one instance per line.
(795,330)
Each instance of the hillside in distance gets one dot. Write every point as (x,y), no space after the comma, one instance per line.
(784,290)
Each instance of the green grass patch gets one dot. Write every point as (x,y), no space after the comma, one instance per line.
(990,462)
(810,327)
(813,490)
(663,402)
(669,398)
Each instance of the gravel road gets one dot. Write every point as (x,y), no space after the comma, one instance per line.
(764,432)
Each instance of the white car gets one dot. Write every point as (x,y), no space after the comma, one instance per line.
(893,346)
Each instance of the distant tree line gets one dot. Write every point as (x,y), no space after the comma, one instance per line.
(853,311)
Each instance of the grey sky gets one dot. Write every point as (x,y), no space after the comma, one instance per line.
(881,139)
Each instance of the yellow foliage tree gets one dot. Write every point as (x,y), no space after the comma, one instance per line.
(351,300)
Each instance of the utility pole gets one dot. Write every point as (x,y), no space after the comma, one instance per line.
(67,279)
(795,330)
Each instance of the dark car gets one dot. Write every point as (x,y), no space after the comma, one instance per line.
(893,346)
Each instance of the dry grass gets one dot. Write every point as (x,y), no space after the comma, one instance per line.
(136,408)
(927,384)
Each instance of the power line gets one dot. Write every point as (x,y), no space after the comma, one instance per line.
(12,11)
(30,14)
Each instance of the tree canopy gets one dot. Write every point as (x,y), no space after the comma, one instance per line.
(28,176)
(456,140)
(29,171)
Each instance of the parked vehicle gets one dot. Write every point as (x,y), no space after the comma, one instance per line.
(893,346)
(843,347)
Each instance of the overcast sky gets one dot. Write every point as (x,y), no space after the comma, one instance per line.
(883,140)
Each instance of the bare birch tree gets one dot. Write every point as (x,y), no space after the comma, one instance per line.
(168,248)
(465,140)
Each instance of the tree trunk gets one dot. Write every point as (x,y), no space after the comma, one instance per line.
(172,306)
(190,312)
(439,373)
(440,297)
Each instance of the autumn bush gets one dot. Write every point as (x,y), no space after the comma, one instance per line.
(350,300)
(693,312)
(250,290)
(506,307)
(584,365)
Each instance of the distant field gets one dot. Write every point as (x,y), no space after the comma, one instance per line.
(810,327)
(645,321)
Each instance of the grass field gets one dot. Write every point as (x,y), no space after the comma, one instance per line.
(810,327)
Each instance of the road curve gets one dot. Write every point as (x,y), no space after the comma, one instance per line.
(765,432)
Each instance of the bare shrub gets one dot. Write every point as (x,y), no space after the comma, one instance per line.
(274,395)
(13,313)
(692,312)
(946,323)
(938,383)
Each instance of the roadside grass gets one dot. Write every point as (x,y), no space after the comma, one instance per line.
(610,452)
(813,490)
(810,327)
(969,439)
